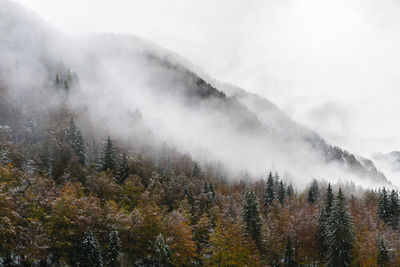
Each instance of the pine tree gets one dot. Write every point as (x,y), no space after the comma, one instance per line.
(383,210)
(113,250)
(251,217)
(313,192)
(324,214)
(289,191)
(281,192)
(124,169)
(79,147)
(328,202)
(311,196)
(339,235)
(269,194)
(288,260)
(196,170)
(383,255)
(108,157)
(211,193)
(75,140)
(89,252)
(163,251)
(394,209)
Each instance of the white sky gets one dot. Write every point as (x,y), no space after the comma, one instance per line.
(332,65)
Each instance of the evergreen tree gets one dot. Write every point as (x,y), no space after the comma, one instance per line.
(339,235)
(251,217)
(383,210)
(196,171)
(328,202)
(75,140)
(163,251)
(269,194)
(311,197)
(281,192)
(124,169)
(288,260)
(324,214)
(383,255)
(79,147)
(394,209)
(313,192)
(89,252)
(108,157)
(113,250)
(211,193)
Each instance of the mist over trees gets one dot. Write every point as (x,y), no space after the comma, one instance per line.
(137,160)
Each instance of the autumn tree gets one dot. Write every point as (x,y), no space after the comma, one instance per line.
(229,246)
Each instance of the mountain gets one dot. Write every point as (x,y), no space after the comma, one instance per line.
(392,159)
(143,95)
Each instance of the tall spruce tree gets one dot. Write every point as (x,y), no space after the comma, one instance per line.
(113,250)
(163,252)
(269,194)
(251,217)
(89,252)
(313,192)
(124,169)
(311,197)
(383,209)
(394,209)
(288,260)
(108,157)
(196,171)
(323,220)
(75,140)
(383,258)
(281,192)
(339,234)
(289,191)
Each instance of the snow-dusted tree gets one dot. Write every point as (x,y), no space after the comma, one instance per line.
(383,255)
(163,251)
(108,157)
(324,215)
(251,217)
(113,249)
(281,192)
(288,260)
(124,169)
(383,209)
(196,171)
(313,192)
(394,209)
(4,158)
(75,140)
(339,235)
(89,251)
(311,197)
(269,194)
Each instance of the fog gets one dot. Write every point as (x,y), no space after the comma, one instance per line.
(116,78)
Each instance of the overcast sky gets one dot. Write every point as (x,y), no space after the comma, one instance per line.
(332,65)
